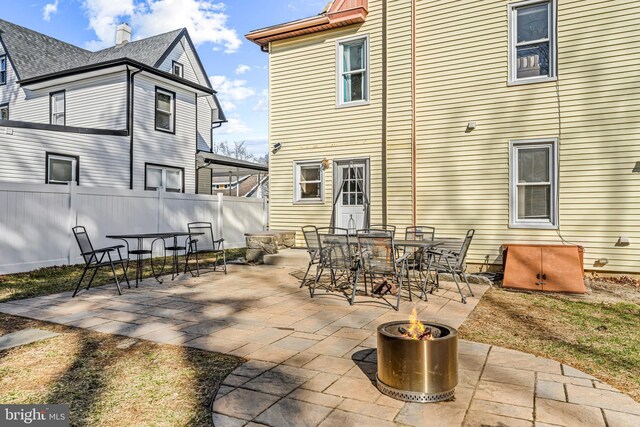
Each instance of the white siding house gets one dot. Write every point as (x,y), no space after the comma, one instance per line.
(133,116)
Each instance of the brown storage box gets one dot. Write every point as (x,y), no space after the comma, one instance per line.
(551,268)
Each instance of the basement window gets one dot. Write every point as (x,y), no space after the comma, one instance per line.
(62,169)
(353,72)
(532,41)
(309,182)
(166,178)
(534,183)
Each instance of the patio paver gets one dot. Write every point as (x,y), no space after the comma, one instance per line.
(311,362)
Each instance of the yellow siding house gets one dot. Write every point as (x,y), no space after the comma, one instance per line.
(519,119)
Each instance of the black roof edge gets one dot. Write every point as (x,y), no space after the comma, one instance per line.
(6,52)
(230,161)
(113,63)
(164,56)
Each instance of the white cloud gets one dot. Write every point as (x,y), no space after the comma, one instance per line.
(263,102)
(50,9)
(204,19)
(231,91)
(234,125)
(242,69)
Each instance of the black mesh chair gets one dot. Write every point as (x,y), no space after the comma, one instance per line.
(204,243)
(420,233)
(387,227)
(336,256)
(95,259)
(378,259)
(312,239)
(449,261)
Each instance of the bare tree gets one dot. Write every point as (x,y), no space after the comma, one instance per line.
(238,150)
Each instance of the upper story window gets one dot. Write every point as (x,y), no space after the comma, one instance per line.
(62,169)
(532,40)
(167,178)
(3,69)
(353,72)
(309,182)
(534,184)
(177,69)
(57,106)
(4,112)
(165,110)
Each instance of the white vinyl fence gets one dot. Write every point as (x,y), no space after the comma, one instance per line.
(36,219)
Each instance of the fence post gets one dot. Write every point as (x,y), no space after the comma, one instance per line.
(265,214)
(73,220)
(220,219)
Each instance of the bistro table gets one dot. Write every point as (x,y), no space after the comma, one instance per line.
(140,252)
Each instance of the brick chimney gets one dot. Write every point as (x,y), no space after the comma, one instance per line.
(123,34)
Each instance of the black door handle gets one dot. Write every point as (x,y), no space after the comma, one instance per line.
(538,276)
(544,277)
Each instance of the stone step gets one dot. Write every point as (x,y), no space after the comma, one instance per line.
(288,258)
(24,337)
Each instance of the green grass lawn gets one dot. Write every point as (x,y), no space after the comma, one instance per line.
(51,280)
(599,337)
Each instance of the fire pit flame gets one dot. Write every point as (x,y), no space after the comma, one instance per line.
(418,330)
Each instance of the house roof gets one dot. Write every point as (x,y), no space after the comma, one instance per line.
(337,13)
(36,56)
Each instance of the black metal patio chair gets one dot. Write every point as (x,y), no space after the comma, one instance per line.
(338,257)
(387,227)
(204,243)
(312,239)
(441,260)
(378,259)
(95,259)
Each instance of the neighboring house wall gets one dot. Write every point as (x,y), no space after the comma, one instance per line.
(305,120)
(97,102)
(103,160)
(204,133)
(153,146)
(461,76)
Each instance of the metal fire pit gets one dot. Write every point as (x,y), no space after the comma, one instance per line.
(415,370)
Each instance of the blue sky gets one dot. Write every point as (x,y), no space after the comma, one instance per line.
(237,67)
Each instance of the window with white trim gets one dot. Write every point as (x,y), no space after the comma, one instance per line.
(532,40)
(163,177)
(353,73)
(309,182)
(62,169)
(4,112)
(3,69)
(165,110)
(177,69)
(534,183)
(58,107)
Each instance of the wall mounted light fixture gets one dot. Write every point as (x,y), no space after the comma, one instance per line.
(276,147)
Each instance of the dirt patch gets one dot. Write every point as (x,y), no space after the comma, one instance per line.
(110,380)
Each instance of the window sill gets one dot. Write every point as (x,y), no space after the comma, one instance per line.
(534,226)
(353,104)
(172,132)
(309,202)
(531,81)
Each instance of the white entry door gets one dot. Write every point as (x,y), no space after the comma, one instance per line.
(350,207)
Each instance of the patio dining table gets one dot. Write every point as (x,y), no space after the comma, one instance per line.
(140,252)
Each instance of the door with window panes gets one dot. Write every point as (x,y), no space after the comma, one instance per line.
(352,178)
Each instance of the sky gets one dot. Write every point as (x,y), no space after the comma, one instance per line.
(237,68)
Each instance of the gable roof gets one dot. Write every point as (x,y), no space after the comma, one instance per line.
(38,56)
(337,13)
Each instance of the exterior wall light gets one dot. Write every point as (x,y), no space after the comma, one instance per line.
(276,147)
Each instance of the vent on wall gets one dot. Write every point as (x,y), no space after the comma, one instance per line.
(636,169)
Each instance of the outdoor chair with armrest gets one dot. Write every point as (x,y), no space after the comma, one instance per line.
(417,233)
(312,239)
(204,243)
(442,260)
(338,257)
(378,258)
(95,259)
(387,227)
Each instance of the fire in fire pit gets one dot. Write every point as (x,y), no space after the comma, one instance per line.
(417,361)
